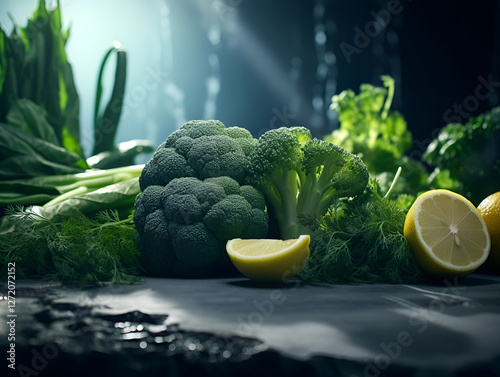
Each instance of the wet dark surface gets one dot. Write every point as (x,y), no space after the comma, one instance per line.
(226,327)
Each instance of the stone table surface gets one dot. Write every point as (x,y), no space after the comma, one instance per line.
(442,328)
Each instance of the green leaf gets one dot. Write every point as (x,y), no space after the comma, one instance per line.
(21,166)
(41,73)
(106,124)
(118,196)
(29,118)
(16,198)
(369,129)
(71,113)
(9,90)
(466,156)
(4,41)
(22,155)
(123,155)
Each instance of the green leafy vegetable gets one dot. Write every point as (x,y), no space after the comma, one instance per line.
(369,129)
(23,155)
(123,155)
(106,124)
(39,104)
(119,196)
(360,240)
(466,157)
(114,184)
(35,68)
(78,250)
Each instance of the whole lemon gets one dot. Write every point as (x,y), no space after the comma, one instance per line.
(489,209)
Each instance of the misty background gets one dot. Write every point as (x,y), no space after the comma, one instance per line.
(264,64)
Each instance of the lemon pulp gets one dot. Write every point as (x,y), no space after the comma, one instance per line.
(446,234)
(268,259)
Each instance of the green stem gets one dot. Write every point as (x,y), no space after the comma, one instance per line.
(286,211)
(66,195)
(100,178)
(389,83)
(394,181)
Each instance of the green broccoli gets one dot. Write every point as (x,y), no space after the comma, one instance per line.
(183,226)
(201,149)
(299,176)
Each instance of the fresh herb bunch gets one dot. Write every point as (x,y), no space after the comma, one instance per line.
(380,136)
(78,250)
(369,128)
(466,158)
(360,240)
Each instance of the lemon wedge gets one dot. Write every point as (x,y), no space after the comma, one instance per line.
(269,260)
(446,234)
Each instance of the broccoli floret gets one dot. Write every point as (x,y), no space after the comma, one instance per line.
(253,196)
(229,185)
(154,235)
(200,149)
(300,176)
(183,226)
(330,171)
(147,202)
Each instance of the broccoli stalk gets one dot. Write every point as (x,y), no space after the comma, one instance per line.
(300,176)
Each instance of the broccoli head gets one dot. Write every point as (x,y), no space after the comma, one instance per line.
(300,176)
(201,149)
(183,226)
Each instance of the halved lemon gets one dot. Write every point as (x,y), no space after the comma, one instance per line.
(269,259)
(446,234)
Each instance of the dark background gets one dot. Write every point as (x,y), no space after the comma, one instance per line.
(439,52)
(265,63)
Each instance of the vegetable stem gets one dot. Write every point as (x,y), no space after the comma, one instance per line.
(389,83)
(69,194)
(398,173)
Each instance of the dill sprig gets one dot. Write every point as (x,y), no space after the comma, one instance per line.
(360,240)
(79,250)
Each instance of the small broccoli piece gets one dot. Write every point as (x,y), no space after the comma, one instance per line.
(165,165)
(254,197)
(183,227)
(195,245)
(276,169)
(149,201)
(228,218)
(300,176)
(330,171)
(229,185)
(200,149)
